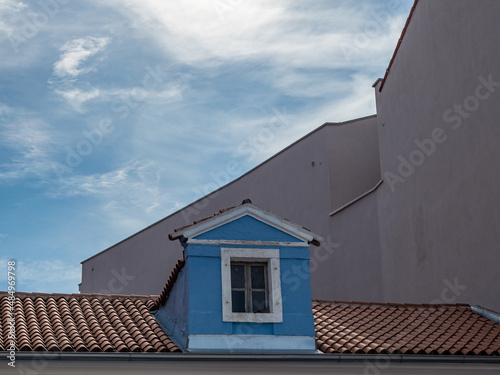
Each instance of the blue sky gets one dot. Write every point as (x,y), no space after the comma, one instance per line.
(114,114)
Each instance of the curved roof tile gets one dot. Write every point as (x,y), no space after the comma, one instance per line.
(353,327)
(83,323)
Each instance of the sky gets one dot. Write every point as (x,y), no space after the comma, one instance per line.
(117,113)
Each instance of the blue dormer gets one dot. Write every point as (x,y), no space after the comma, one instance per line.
(235,292)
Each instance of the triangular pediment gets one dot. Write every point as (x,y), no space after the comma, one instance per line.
(247,223)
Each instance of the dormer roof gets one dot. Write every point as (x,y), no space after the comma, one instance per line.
(225,216)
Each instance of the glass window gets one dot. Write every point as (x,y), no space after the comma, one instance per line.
(249,287)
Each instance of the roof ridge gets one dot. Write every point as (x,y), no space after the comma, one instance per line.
(162,298)
(400,41)
(77,295)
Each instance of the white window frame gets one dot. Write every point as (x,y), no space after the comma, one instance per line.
(269,256)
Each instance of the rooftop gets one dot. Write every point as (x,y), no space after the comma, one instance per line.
(116,323)
(83,323)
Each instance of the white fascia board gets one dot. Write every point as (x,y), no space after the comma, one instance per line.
(247,243)
(255,212)
(251,344)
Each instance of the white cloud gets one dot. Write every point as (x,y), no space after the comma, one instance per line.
(279,32)
(67,79)
(171,92)
(68,68)
(297,47)
(75,52)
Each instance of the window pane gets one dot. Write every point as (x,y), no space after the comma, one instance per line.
(259,303)
(238,300)
(258,277)
(237,276)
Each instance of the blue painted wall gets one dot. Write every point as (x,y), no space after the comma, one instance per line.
(205,299)
(172,316)
(249,229)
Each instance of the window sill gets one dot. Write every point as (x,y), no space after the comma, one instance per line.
(252,317)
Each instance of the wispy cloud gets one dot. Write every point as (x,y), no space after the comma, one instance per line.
(76,97)
(69,67)
(279,32)
(77,51)
(31,143)
(8,10)
(299,49)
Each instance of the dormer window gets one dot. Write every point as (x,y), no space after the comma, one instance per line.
(251,286)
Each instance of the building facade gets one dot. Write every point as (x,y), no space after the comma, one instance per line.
(407,200)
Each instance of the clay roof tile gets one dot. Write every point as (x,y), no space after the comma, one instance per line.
(354,327)
(73,323)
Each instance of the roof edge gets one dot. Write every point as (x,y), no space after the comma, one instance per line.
(400,41)
(186,357)
(78,295)
(392,304)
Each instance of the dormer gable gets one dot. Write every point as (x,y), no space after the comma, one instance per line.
(246,223)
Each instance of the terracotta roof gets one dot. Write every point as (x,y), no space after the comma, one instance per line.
(351,327)
(83,323)
(169,285)
(114,323)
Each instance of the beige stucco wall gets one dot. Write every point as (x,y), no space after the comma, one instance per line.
(440,218)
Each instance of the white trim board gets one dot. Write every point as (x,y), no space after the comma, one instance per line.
(247,243)
(272,257)
(251,344)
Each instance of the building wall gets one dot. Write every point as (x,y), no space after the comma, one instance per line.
(439,207)
(355,264)
(289,184)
